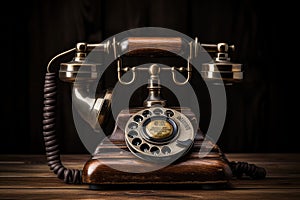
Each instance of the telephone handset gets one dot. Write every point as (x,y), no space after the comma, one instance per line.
(151,144)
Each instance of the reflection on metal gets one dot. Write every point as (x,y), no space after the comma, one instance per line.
(221,68)
(83,71)
(154,97)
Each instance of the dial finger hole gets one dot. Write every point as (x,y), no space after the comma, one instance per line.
(133,125)
(155,150)
(146,113)
(169,113)
(158,111)
(132,134)
(136,141)
(138,118)
(166,150)
(145,147)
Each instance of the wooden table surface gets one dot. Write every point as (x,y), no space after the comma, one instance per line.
(29,177)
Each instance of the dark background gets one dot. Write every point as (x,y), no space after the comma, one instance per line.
(262,111)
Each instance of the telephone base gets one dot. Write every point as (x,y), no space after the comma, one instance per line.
(209,171)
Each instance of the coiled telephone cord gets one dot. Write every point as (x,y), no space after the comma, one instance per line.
(239,169)
(74,175)
(49,133)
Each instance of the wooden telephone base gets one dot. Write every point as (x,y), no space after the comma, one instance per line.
(101,170)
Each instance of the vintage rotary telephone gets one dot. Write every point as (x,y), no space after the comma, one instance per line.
(153,143)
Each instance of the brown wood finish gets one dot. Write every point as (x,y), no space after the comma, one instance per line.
(29,177)
(211,170)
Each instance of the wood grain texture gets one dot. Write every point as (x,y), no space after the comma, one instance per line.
(212,169)
(29,177)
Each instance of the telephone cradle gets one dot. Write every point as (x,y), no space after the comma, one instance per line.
(153,144)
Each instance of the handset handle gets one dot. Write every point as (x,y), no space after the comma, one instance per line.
(156,46)
(142,46)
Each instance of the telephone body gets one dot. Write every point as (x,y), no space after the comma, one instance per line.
(160,143)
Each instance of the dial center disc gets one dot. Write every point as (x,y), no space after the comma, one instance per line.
(159,129)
